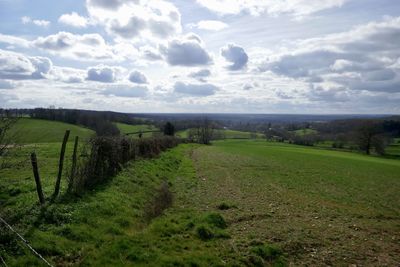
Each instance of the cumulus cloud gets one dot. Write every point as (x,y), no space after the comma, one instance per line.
(37,22)
(68,75)
(136,19)
(16,66)
(195,89)
(137,77)
(188,51)
(209,25)
(102,74)
(298,8)
(74,19)
(235,55)
(126,91)
(82,47)
(361,59)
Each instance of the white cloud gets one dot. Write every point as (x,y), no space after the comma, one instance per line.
(126,91)
(101,73)
(195,89)
(188,51)
(235,55)
(200,75)
(37,22)
(137,77)
(136,19)
(74,19)
(296,8)
(209,25)
(15,41)
(16,66)
(361,59)
(90,47)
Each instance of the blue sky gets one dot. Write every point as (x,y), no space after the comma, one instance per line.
(247,56)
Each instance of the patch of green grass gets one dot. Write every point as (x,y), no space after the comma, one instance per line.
(305,131)
(229,134)
(27,131)
(128,128)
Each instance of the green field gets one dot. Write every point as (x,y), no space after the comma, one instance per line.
(128,128)
(282,204)
(228,134)
(305,131)
(27,131)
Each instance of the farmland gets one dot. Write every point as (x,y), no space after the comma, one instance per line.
(236,202)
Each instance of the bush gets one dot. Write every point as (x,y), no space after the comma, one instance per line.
(103,157)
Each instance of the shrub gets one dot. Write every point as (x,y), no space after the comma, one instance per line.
(103,157)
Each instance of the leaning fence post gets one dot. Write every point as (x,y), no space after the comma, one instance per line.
(37,178)
(73,167)
(60,164)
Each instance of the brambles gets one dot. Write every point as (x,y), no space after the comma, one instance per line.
(105,156)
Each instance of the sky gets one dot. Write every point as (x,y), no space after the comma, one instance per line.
(202,56)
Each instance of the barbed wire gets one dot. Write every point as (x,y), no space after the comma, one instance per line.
(3,261)
(26,243)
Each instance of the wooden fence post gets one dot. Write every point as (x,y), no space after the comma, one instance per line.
(73,167)
(37,178)
(60,164)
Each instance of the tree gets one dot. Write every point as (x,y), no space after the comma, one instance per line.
(6,122)
(370,135)
(205,131)
(169,129)
(364,136)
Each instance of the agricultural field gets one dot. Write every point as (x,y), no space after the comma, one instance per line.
(305,131)
(229,134)
(28,131)
(236,203)
(127,128)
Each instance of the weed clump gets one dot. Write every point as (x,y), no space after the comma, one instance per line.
(266,253)
(216,220)
(204,232)
(225,206)
(162,200)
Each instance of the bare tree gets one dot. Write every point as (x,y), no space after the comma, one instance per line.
(205,131)
(6,123)
(370,136)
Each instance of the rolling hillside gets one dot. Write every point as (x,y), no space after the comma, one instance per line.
(280,204)
(27,131)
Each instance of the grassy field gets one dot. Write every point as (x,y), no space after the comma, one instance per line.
(28,131)
(228,134)
(127,128)
(302,132)
(280,204)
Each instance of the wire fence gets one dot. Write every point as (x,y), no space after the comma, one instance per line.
(25,242)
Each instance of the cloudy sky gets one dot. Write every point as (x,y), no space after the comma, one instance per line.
(242,56)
